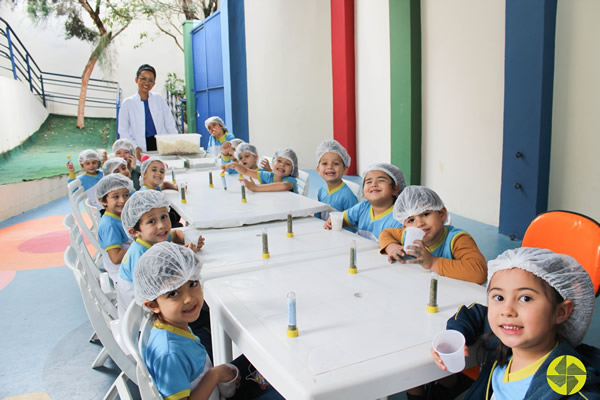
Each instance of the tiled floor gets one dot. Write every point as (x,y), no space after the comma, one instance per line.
(44,332)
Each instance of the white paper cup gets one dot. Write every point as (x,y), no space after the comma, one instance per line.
(450,345)
(227,389)
(337,220)
(412,234)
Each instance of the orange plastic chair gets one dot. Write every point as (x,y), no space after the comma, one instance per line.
(568,233)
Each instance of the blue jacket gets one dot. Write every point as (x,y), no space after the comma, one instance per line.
(473,323)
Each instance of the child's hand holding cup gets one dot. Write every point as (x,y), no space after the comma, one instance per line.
(449,350)
(337,220)
(412,234)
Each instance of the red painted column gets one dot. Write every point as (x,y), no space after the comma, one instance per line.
(342,62)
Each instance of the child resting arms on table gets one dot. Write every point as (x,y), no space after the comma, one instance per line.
(333,162)
(283,177)
(444,249)
(113,192)
(540,305)
(145,219)
(247,155)
(381,185)
(167,282)
(90,163)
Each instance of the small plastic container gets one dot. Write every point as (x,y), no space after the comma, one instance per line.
(337,220)
(188,143)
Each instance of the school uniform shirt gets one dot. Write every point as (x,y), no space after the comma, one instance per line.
(88,182)
(215,146)
(361,218)
(509,386)
(132,118)
(268,177)
(177,361)
(227,160)
(340,198)
(458,254)
(111,235)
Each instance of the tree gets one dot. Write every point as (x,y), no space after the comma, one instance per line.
(109,20)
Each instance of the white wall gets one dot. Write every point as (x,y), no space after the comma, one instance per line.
(463,102)
(288,50)
(16,99)
(574,169)
(54,53)
(372,43)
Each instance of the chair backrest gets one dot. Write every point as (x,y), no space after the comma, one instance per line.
(94,214)
(77,199)
(99,319)
(568,233)
(302,182)
(135,331)
(98,281)
(356,189)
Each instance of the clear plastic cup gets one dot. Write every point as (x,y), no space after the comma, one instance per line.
(450,345)
(337,220)
(412,235)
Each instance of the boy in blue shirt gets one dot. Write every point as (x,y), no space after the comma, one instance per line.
(90,163)
(218,136)
(333,162)
(382,183)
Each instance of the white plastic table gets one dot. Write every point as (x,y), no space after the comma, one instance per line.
(218,208)
(360,336)
(237,250)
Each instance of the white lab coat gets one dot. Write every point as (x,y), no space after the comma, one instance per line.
(132,120)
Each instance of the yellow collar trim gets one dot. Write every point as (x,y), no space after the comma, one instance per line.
(93,175)
(524,372)
(383,214)
(143,243)
(437,244)
(175,330)
(112,215)
(336,188)
(222,138)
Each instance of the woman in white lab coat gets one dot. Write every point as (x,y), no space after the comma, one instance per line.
(145,114)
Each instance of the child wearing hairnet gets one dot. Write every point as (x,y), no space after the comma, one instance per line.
(281,179)
(333,162)
(89,160)
(124,148)
(113,192)
(153,178)
(218,142)
(540,305)
(382,183)
(444,249)
(247,155)
(145,219)
(167,282)
(228,153)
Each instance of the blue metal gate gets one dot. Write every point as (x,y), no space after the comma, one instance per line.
(208,72)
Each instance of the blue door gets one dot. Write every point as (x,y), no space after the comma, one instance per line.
(208,73)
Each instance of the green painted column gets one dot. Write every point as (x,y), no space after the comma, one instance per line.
(189,75)
(405,80)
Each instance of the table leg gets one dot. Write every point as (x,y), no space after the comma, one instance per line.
(221,342)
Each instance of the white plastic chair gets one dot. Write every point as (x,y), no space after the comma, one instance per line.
(135,331)
(77,199)
(107,329)
(356,189)
(94,214)
(302,182)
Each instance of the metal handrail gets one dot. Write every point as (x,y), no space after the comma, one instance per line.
(50,86)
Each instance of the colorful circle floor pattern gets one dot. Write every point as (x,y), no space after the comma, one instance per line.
(35,244)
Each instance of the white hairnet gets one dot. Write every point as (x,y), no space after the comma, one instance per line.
(414,200)
(216,119)
(394,172)
(564,274)
(146,164)
(139,204)
(236,142)
(163,268)
(288,154)
(88,154)
(112,182)
(123,144)
(112,164)
(245,148)
(333,146)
